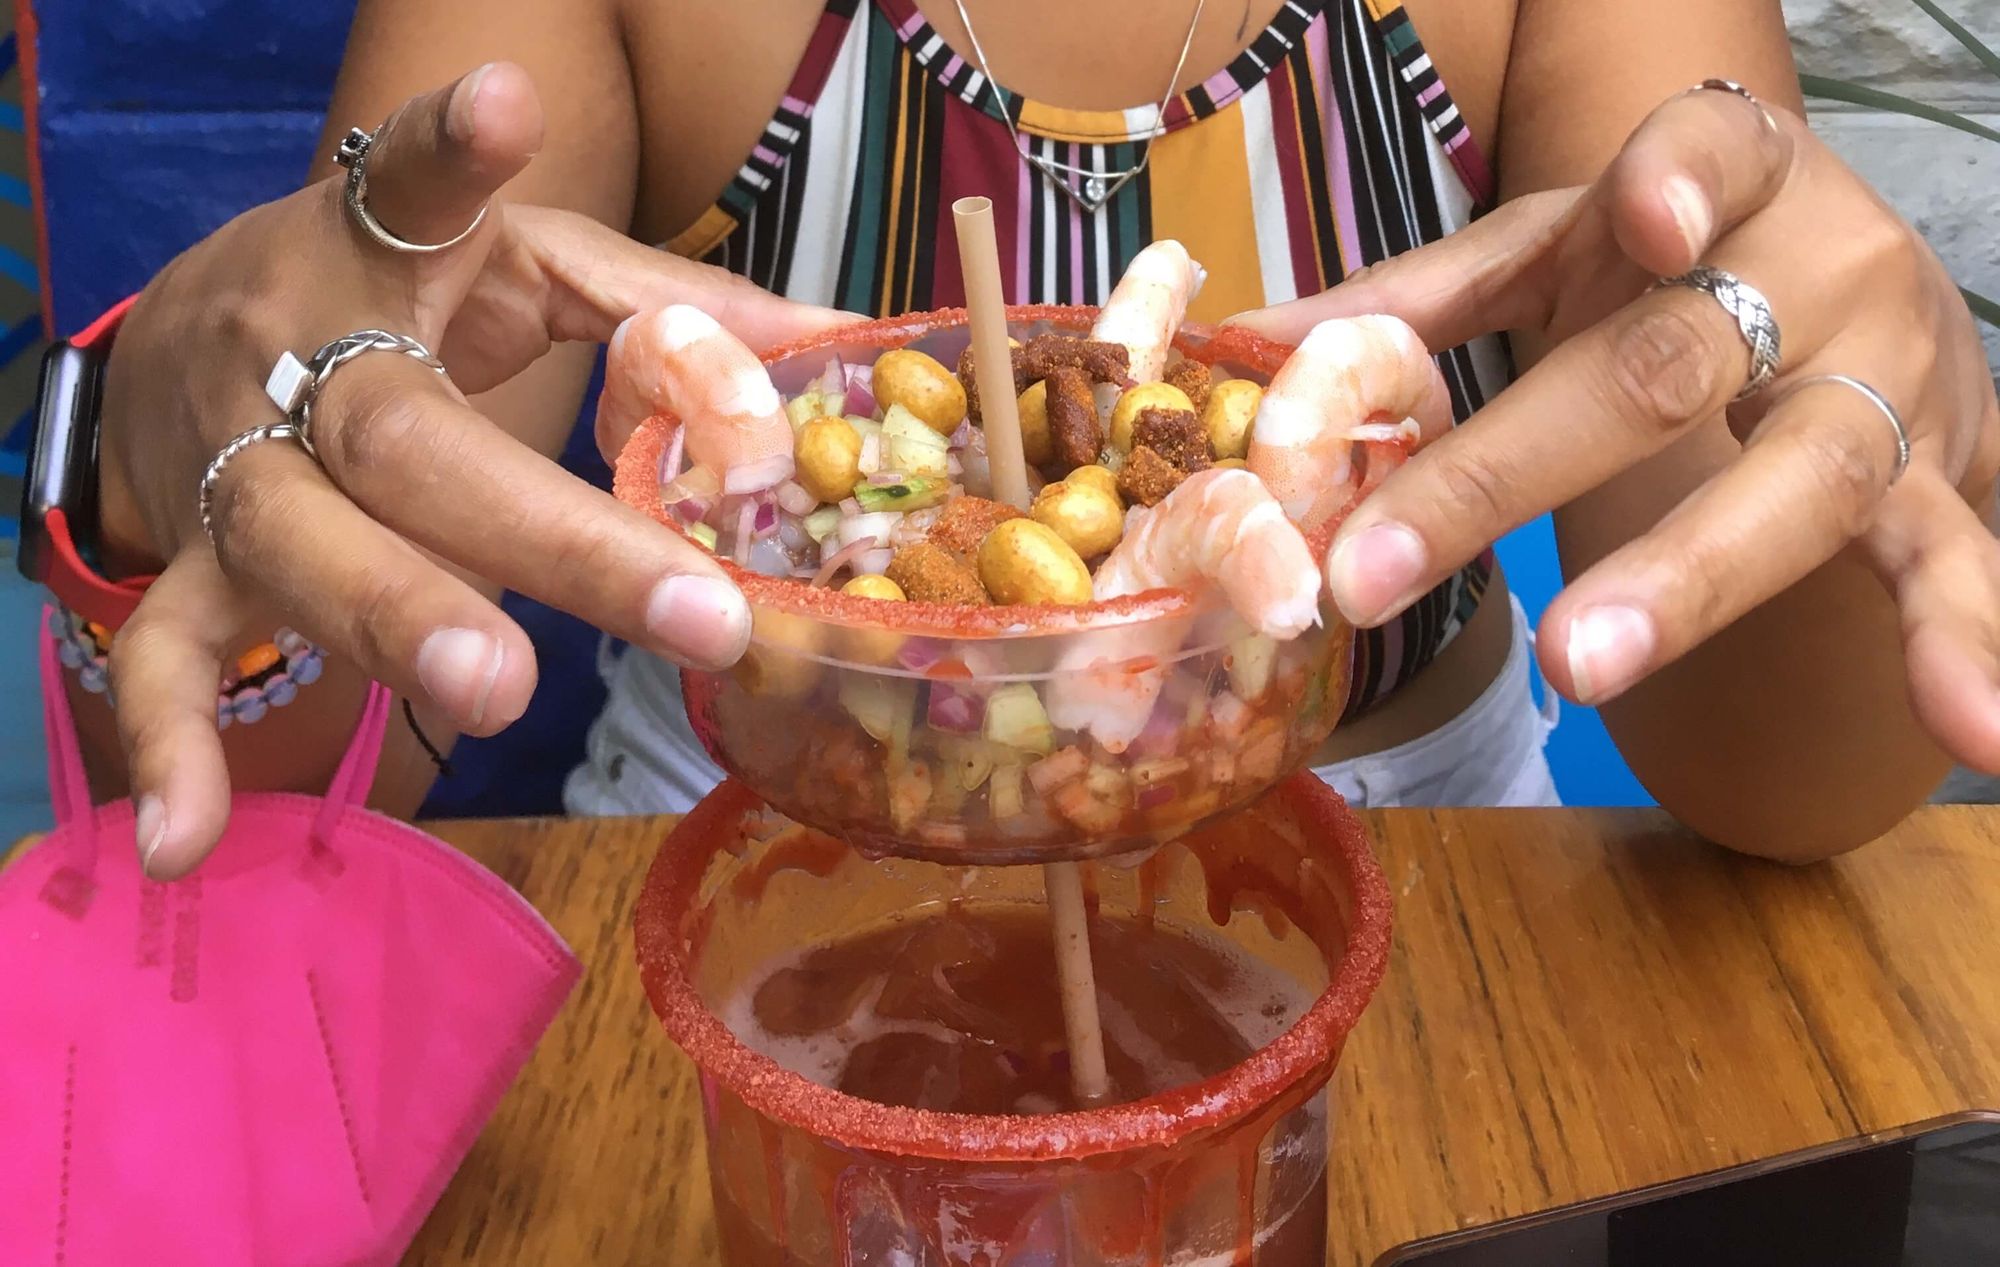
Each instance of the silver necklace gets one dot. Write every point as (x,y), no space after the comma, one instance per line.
(1097,187)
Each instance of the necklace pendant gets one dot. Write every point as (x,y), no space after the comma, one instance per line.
(1093,192)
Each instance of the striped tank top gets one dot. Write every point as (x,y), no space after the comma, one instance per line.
(1328,144)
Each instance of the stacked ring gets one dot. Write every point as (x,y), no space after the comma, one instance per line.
(263,678)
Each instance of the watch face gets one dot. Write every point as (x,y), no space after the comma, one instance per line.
(62,454)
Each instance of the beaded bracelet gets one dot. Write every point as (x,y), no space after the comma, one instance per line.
(263,678)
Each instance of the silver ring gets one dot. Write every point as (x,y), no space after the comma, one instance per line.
(255,435)
(1876,399)
(1752,314)
(295,387)
(1730,85)
(353,155)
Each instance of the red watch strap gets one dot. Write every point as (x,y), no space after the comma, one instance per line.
(75,584)
(79,588)
(105,326)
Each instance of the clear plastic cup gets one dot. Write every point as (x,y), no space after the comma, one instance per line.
(1227,1170)
(951,733)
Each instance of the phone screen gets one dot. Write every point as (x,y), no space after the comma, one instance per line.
(1928,1199)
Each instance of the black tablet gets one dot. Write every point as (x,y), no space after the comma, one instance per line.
(1923,1196)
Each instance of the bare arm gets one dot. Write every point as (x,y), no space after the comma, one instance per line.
(1792,728)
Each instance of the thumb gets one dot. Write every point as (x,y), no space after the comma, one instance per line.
(442,156)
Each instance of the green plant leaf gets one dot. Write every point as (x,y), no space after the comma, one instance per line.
(1855,94)
(1982,307)
(1987,57)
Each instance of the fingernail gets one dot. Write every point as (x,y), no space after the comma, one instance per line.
(464,101)
(700,621)
(149,827)
(1608,649)
(458,668)
(1372,573)
(1691,212)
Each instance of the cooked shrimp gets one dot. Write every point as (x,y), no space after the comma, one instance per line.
(679,360)
(1147,305)
(1220,528)
(1353,380)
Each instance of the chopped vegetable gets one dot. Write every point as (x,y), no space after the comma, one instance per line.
(908,445)
(821,523)
(1015,717)
(703,535)
(912,492)
(808,405)
(1003,796)
(909,792)
(878,702)
(1052,772)
(1251,660)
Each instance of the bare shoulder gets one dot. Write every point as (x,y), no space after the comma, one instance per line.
(708,77)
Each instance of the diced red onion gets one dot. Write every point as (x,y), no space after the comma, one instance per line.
(883,479)
(670,460)
(861,390)
(795,500)
(918,654)
(870,460)
(954,710)
(764,522)
(832,380)
(953,466)
(850,507)
(962,436)
(692,510)
(696,481)
(1158,794)
(874,562)
(1162,734)
(841,558)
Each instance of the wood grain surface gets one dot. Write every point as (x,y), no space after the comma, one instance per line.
(1578,1002)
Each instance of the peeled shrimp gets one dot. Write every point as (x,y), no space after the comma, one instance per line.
(679,360)
(1218,528)
(1147,305)
(1353,380)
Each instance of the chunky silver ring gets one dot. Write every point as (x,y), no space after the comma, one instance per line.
(1876,399)
(353,155)
(1752,314)
(1730,85)
(255,435)
(295,387)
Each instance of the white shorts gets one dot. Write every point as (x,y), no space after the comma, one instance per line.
(642,757)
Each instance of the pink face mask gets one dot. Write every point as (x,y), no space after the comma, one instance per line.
(279,1060)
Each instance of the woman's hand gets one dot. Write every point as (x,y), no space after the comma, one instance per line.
(367,551)
(1709,177)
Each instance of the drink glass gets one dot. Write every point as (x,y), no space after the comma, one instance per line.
(876,721)
(1230,1169)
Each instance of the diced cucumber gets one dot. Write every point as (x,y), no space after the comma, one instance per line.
(1251,662)
(912,493)
(1015,717)
(704,536)
(820,524)
(881,704)
(806,406)
(1003,793)
(910,447)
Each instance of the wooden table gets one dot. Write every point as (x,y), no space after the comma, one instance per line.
(1579,1002)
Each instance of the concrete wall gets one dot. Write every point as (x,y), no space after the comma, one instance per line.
(1945,182)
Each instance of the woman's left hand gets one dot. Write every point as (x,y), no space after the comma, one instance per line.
(1709,177)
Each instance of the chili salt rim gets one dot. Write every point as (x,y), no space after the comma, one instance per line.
(1311,1046)
(636,482)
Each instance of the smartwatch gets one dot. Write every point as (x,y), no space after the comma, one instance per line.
(59,491)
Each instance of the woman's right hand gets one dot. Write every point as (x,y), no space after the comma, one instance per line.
(367,551)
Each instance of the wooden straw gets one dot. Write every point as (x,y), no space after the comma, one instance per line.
(993,369)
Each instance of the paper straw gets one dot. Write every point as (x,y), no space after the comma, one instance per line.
(993,370)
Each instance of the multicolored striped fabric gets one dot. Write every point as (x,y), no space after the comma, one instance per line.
(1328,144)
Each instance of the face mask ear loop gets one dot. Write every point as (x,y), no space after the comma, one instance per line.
(356,775)
(70,886)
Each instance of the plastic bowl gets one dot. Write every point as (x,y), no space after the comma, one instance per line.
(1004,734)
